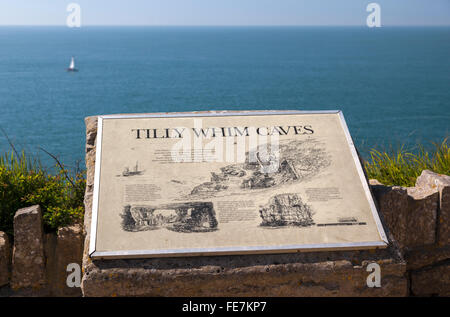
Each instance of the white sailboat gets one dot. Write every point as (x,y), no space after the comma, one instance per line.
(72,66)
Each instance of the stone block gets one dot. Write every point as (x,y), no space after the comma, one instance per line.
(426,256)
(410,213)
(5,258)
(338,273)
(432,281)
(69,249)
(421,220)
(442,184)
(28,261)
(303,274)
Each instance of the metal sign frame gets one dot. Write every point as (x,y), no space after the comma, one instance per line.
(94,254)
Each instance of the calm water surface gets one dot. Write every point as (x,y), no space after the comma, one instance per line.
(393,84)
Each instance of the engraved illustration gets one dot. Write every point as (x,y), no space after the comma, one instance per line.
(297,160)
(131,172)
(286,210)
(180,217)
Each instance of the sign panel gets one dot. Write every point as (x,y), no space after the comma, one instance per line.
(188,184)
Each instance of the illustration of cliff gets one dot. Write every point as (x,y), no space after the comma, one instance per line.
(286,210)
(297,161)
(179,217)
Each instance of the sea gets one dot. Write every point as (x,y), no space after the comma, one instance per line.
(392,83)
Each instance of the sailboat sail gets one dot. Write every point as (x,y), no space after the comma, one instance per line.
(72,63)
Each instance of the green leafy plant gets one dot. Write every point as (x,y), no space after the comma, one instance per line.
(23,183)
(402,167)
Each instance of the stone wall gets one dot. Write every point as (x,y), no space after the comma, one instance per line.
(414,218)
(35,264)
(419,218)
(5,259)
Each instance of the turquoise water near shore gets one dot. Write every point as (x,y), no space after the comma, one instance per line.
(393,83)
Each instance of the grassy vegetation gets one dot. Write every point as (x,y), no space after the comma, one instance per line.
(402,167)
(23,182)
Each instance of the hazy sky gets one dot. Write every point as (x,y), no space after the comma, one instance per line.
(224,12)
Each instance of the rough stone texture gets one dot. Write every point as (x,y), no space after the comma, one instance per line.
(375,182)
(442,184)
(432,281)
(298,274)
(393,205)
(5,258)
(28,261)
(423,205)
(410,213)
(426,256)
(69,249)
(60,249)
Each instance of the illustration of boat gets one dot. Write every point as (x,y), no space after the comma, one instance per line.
(72,66)
(127,172)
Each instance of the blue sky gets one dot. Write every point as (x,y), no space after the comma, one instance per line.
(224,12)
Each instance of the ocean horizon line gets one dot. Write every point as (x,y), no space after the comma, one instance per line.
(232,26)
